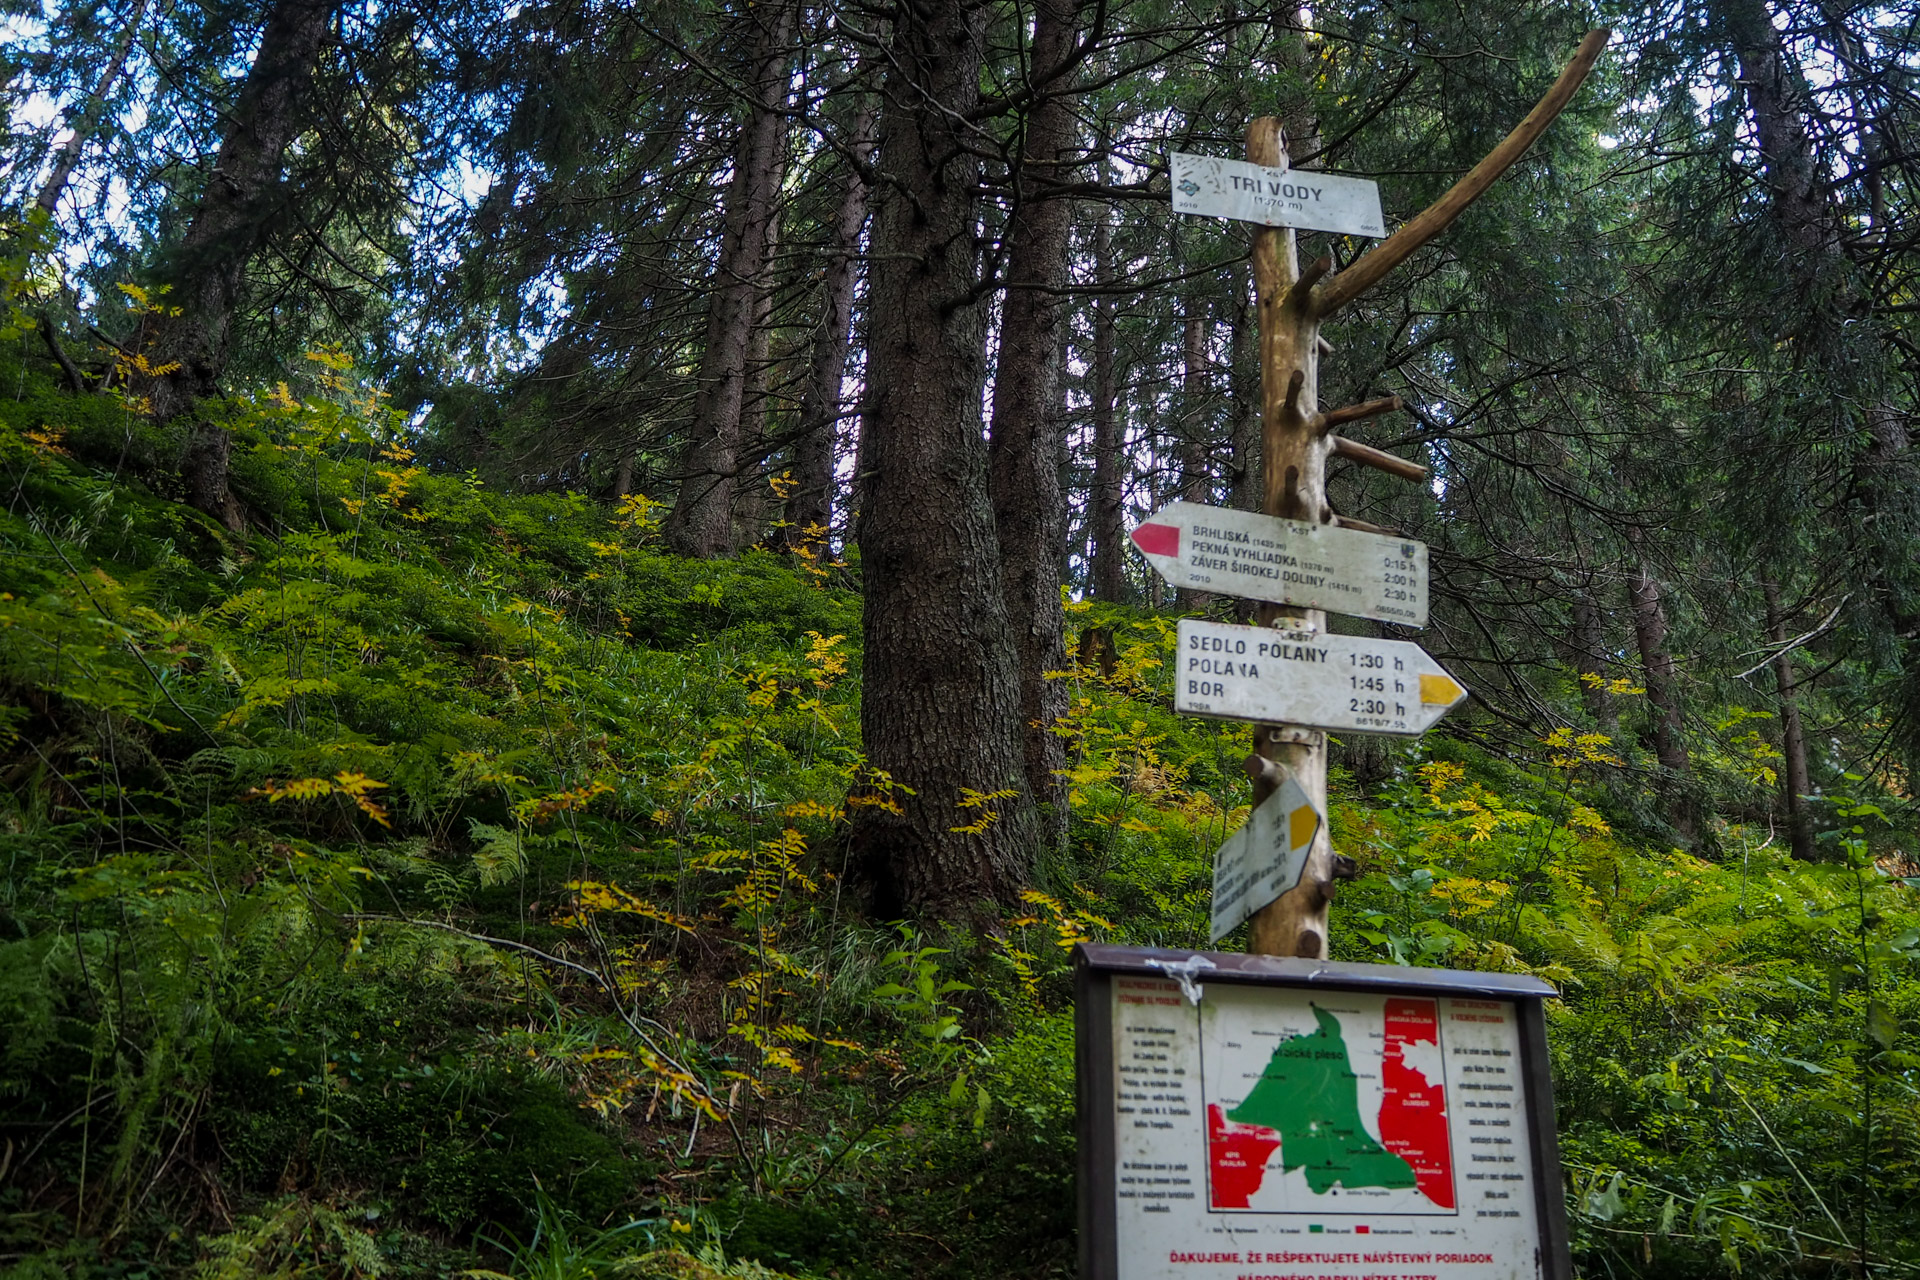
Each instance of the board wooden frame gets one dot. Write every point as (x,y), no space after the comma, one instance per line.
(1096,964)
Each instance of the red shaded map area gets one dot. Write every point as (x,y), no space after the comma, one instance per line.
(1413,1113)
(1237,1155)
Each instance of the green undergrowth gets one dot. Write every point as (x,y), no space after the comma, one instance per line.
(437,881)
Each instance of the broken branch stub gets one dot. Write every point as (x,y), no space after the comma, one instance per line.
(1378,459)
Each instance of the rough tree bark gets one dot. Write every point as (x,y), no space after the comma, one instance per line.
(1023,456)
(1586,640)
(753,497)
(1244,383)
(1195,483)
(225,232)
(810,510)
(85,121)
(1663,701)
(940,708)
(1107,503)
(1796,190)
(1793,740)
(701,522)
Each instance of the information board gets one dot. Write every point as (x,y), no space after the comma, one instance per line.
(1261,1118)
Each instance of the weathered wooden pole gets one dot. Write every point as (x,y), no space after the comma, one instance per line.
(1294,458)
(1296,441)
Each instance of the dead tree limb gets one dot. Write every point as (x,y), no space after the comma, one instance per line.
(1436,217)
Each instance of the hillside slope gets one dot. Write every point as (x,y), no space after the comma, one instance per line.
(437,878)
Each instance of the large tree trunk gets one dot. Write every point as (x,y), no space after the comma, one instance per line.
(1244,384)
(226,230)
(701,522)
(1827,316)
(1029,513)
(1196,485)
(1587,641)
(1106,505)
(810,511)
(753,496)
(85,121)
(1797,191)
(1793,741)
(940,707)
(1663,702)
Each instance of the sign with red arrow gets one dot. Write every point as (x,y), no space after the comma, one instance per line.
(1318,566)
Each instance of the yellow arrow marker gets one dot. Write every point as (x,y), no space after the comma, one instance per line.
(1439,691)
(1301,824)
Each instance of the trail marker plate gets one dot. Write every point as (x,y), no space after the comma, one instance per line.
(1255,557)
(1263,859)
(1310,678)
(1303,198)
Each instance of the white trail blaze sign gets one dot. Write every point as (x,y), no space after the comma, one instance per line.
(1310,678)
(1248,192)
(1255,557)
(1263,859)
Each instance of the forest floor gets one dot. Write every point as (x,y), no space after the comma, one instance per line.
(437,880)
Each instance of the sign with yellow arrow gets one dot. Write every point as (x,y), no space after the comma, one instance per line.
(1310,678)
(1265,858)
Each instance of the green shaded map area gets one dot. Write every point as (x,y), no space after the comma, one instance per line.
(1307,1095)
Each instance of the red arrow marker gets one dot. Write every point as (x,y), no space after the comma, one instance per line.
(1158,539)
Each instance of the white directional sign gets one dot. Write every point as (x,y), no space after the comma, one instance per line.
(1248,192)
(1310,678)
(1263,859)
(1238,553)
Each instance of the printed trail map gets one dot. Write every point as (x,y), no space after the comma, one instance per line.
(1306,1105)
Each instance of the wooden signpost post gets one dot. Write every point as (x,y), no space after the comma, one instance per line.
(1275,1114)
(1298,438)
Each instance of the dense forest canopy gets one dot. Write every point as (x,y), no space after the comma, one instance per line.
(571,666)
